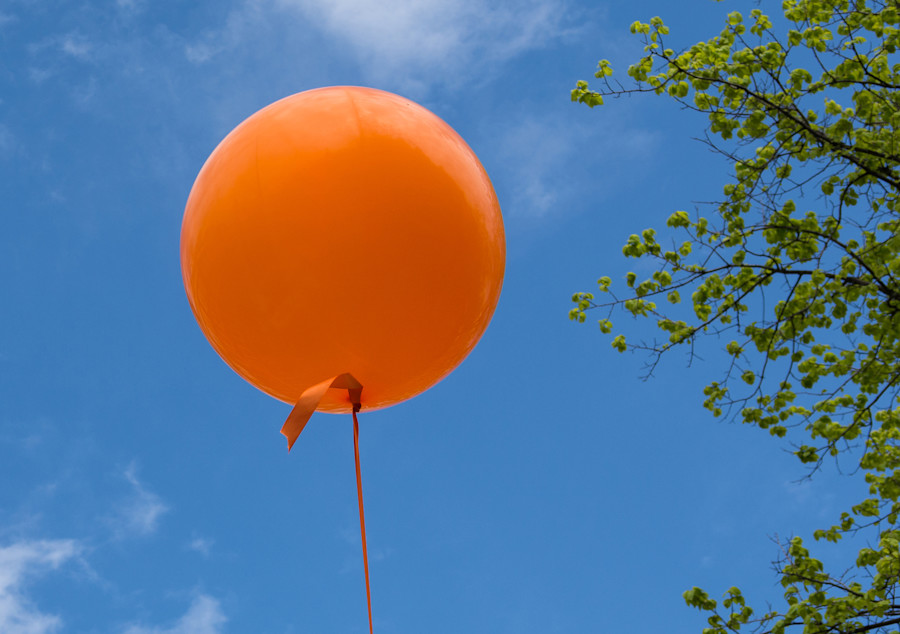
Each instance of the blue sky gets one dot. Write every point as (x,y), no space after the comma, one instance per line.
(541,487)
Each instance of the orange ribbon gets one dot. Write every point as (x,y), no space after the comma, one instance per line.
(307,403)
(362,514)
(310,399)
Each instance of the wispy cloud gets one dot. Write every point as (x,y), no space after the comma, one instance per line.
(19,563)
(139,513)
(540,151)
(434,38)
(201,545)
(130,6)
(204,616)
(405,44)
(536,150)
(76,45)
(246,22)
(810,493)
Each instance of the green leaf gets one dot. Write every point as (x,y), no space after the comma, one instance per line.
(795,268)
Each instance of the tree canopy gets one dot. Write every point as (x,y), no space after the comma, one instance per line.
(795,271)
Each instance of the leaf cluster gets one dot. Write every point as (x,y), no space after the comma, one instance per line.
(796,270)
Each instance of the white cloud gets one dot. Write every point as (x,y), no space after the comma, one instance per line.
(248,21)
(19,563)
(39,75)
(536,150)
(539,150)
(811,493)
(76,45)
(200,52)
(429,38)
(201,545)
(130,6)
(140,512)
(406,44)
(205,616)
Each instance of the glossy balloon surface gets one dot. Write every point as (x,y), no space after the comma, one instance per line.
(342,230)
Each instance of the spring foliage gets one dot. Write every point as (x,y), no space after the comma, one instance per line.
(796,271)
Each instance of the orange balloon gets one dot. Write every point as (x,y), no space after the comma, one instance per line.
(340,230)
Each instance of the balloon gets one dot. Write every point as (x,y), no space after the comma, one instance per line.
(343,230)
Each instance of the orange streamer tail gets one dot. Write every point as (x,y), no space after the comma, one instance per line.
(362,515)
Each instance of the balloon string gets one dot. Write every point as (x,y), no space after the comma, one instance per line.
(362,515)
